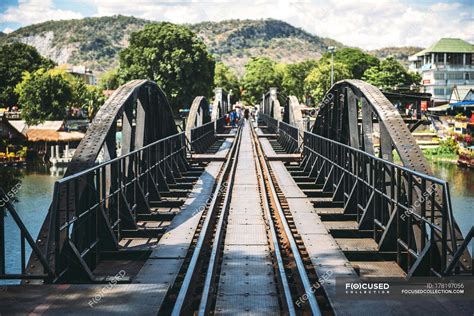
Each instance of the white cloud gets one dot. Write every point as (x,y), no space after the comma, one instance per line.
(7,30)
(35,11)
(365,23)
(368,23)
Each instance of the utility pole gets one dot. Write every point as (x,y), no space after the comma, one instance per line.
(331,50)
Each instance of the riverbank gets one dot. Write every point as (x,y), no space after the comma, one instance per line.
(431,157)
(449,158)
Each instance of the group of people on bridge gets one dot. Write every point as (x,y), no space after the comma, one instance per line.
(234,116)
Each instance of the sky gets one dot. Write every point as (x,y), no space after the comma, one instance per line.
(367,24)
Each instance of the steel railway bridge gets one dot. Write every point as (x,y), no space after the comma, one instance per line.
(263,218)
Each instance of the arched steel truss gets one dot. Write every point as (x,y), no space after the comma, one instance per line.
(93,204)
(337,119)
(292,113)
(396,193)
(136,108)
(221,104)
(271,105)
(199,115)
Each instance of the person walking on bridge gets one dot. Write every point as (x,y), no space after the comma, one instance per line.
(233,117)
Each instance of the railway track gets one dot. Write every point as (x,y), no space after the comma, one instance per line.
(246,256)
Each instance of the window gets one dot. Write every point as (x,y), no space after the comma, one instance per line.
(439,58)
(438,91)
(455,76)
(439,75)
(454,59)
(466,76)
(469,59)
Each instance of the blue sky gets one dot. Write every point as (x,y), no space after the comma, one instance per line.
(366,23)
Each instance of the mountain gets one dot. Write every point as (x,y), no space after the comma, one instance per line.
(399,53)
(235,41)
(95,42)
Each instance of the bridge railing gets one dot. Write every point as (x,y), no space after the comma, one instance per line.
(388,200)
(270,122)
(92,209)
(202,137)
(6,207)
(220,123)
(288,137)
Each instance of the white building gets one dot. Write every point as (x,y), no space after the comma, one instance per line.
(82,72)
(447,63)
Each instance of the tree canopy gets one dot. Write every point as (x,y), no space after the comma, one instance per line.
(318,82)
(174,57)
(260,75)
(294,76)
(85,96)
(15,59)
(391,75)
(44,95)
(109,80)
(355,59)
(48,94)
(226,78)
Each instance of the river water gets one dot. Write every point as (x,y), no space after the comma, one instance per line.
(36,190)
(461,185)
(33,200)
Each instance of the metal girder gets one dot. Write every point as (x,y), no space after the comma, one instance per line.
(271,105)
(293,116)
(199,114)
(124,100)
(221,104)
(371,100)
(349,102)
(142,111)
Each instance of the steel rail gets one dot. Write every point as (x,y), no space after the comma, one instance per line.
(266,208)
(293,246)
(212,266)
(206,229)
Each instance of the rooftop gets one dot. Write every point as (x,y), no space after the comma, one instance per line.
(460,93)
(448,45)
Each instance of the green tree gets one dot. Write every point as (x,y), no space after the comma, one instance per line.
(87,97)
(294,76)
(260,75)
(174,57)
(225,78)
(44,95)
(110,80)
(391,75)
(355,59)
(318,82)
(15,59)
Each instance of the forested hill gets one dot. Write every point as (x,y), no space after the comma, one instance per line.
(400,53)
(235,41)
(96,42)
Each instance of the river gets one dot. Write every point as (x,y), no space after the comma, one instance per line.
(35,195)
(33,200)
(461,185)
